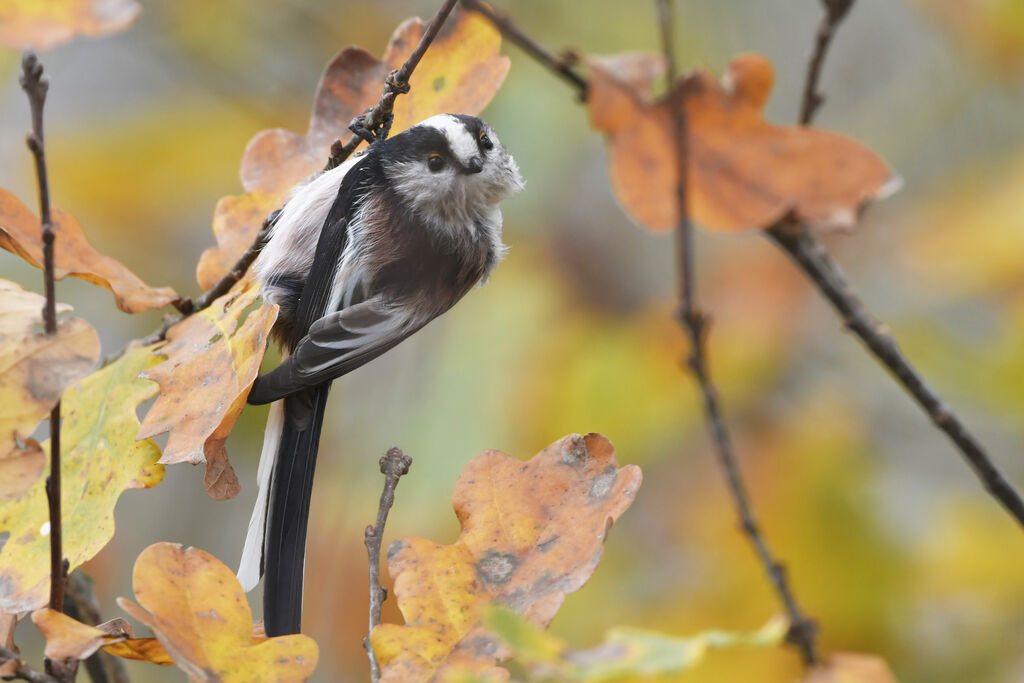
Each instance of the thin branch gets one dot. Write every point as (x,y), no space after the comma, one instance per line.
(81,604)
(36,86)
(695,324)
(376,122)
(808,252)
(835,11)
(393,466)
(560,66)
(24,672)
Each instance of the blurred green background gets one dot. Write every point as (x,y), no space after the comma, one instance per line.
(890,542)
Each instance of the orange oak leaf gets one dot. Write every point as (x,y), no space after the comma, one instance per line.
(42,24)
(531,533)
(743,172)
(849,667)
(35,369)
(461,72)
(21,234)
(67,638)
(8,622)
(200,616)
(212,359)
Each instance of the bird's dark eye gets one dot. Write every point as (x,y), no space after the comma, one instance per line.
(435,162)
(485,141)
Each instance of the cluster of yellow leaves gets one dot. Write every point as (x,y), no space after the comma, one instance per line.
(461,72)
(43,24)
(743,173)
(201,621)
(35,369)
(531,533)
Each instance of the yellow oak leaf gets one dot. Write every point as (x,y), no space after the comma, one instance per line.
(199,614)
(212,359)
(531,533)
(100,458)
(35,369)
(43,24)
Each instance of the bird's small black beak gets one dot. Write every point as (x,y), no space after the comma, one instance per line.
(475,165)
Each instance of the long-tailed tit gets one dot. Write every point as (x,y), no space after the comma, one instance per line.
(359,258)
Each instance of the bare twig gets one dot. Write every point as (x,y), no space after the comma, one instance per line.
(695,324)
(36,86)
(808,252)
(24,672)
(835,11)
(81,604)
(377,120)
(560,66)
(393,466)
(812,257)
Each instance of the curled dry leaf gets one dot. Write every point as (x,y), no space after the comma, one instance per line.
(850,667)
(35,369)
(21,234)
(42,24)
(460,72)
(212,359)
(100,459)
(67,638)
(150,650)
(200,616)
(743,172)
(531,533)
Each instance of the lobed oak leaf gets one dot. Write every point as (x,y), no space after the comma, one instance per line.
(461,72)
(100,459)
(850,667)
(200,616)
(35,369)
(67,638)
(531,533)
(42,24)
(743,172)
(213,358)
(21,234)
(150,650)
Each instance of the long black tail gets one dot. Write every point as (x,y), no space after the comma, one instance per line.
(291,484)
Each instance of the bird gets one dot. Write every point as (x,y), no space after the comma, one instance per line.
(359,258)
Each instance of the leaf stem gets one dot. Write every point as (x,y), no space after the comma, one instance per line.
(393,465)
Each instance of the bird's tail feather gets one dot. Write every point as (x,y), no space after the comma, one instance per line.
(291,483)
(250,568)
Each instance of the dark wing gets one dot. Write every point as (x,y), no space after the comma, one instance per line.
(329,247)
(337,344)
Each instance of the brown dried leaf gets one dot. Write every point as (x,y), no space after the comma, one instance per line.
(461,72)
(21,234)
(212,359)
(8,622)
(200,616)
(744,173)
(150,650)
(35,369)
(531,533)
(67,638)
(849,667)
(42,24)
